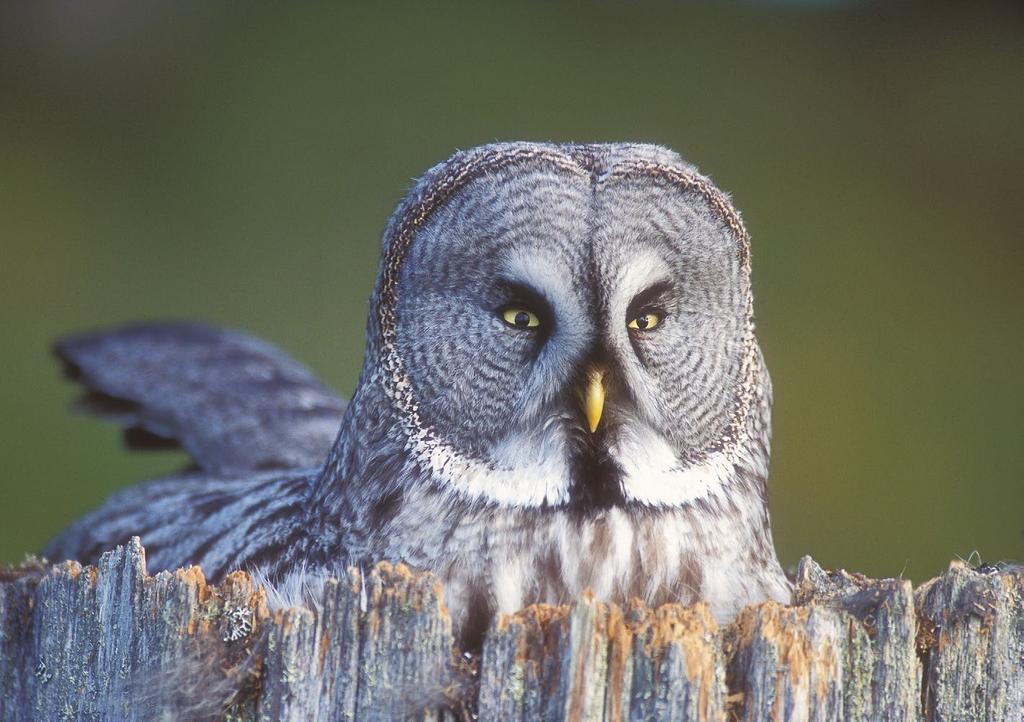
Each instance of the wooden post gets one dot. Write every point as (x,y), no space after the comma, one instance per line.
(112,643)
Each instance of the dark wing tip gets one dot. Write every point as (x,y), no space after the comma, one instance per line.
(141,438)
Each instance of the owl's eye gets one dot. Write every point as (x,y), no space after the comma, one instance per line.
(645,321)
(520,317)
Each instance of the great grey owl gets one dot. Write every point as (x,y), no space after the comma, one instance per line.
(562,390)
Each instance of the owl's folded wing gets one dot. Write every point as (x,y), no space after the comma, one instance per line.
(233,402)
(221,524)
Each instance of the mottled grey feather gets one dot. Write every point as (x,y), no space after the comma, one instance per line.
(233,402)
(221,523)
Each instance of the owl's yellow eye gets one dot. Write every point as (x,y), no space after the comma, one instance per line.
(520,317)
(645,321)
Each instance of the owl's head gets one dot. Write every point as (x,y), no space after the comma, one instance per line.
(569,326)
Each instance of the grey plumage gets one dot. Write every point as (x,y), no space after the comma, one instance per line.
(464,449)
(233,402)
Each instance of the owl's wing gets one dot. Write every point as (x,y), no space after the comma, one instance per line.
(234,403)
(220,524)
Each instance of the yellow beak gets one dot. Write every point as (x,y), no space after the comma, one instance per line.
(593,397)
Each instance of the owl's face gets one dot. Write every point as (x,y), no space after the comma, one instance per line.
(565,337)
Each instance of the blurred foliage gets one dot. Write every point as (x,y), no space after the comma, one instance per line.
(236,164)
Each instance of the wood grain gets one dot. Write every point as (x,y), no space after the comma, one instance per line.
(113,643)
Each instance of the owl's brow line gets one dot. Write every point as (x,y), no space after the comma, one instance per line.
(693,311)
(648,296)
(520,290)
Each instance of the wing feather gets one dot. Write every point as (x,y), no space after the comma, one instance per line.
(233,402)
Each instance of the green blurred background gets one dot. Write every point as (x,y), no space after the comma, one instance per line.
(236,164)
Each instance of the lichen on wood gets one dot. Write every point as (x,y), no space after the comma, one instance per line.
(112,642)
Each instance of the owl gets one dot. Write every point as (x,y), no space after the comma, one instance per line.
(562,390)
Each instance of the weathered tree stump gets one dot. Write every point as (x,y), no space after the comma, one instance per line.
(113,643)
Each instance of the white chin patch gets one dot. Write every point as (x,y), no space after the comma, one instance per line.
(652,473)
(533,470)
(528,470)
